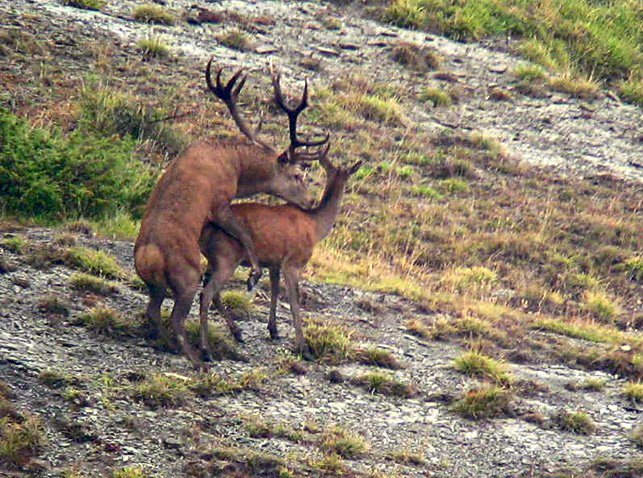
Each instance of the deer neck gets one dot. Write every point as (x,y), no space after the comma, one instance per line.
(326,212)
(255,174)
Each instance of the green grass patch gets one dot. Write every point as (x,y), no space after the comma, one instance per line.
(17,244)
(631,91)
(93,262)
(106,321)
(89,283)
(159,390)
(601,39)
(587,331)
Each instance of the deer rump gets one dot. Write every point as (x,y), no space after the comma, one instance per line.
(281,234)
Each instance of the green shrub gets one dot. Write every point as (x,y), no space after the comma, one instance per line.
(47,175)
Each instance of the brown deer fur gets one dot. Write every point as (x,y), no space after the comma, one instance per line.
(197,188)
(284,237)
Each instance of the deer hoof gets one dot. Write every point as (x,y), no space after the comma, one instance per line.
(306,353)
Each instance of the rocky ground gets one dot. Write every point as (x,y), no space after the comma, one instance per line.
(107,429)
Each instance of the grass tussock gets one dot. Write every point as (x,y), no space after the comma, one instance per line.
(574,422)
(478,365)
(329,342)
(85,4)
(160,390)
(343,443)
(383,384)
(486,402)
(151,13)
(90,283)
(93,262)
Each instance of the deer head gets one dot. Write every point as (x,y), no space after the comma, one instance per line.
(229,94)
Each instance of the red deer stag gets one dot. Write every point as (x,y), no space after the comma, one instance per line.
(197,188)
(284,237)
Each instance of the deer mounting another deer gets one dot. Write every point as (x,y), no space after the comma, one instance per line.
(197,188)
(284,237)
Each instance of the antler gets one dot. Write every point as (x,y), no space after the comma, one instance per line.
(293,113)
(229,94)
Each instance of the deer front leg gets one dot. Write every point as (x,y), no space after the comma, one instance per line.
(226,220)
(291,278)
(274,296)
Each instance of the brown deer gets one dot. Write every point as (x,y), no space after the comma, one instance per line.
(284,237)
(197,188)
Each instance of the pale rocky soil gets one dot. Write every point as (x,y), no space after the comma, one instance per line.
(576,137)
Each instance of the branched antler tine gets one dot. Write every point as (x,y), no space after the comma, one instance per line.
(229,95)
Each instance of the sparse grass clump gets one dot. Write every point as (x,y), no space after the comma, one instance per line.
(85,4)
(329,342)
(153,47)
(237,303)
(437,97)
(383,384)
(237,40)
(159,390)
(633,391)
(407,457)
(93,262)
(378,357)
(479,365)
(15,244)
(57,379)
(151,13)
(129,472)
(578,87)
(530,73)
(486,402)
(53,304)
(106,321)
(343,443)
(90,283)
(577,422)
(600,306)
(20,440)
(415,57)
(637,436)
(632,91)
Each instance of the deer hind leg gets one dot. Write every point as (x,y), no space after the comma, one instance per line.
(274,296)
(216,276)
(182,304)
(153,311)
(227,221)
(291,278)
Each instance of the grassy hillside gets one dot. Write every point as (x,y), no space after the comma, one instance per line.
(584,39)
